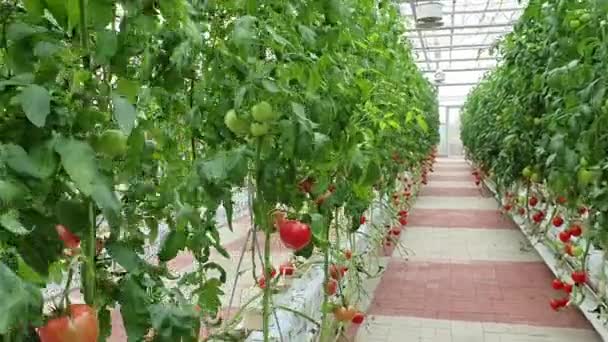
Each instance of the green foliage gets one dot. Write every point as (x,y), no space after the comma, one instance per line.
(141,113)
(541,115)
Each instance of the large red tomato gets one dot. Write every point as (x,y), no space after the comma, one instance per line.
(294,234)
(80,326)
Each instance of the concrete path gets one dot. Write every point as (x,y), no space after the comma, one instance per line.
(472,276)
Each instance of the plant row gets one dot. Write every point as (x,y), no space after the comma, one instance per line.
(536,125)
(119,117)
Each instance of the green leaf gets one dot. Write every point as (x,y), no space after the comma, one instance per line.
(18,30)
(225,166)
(422,123)
(40,164)
(209,296)
(46,49)
(34,7)
(105,198)
(126,257)
(10,221)
(300,112)
(128,88)
(22,300)
(270,86)
(78,160)
(173,323)
(134,302)
(318,226)
(11,190)
(36,104)
(106,47)
(244,31)
(124,113)
(73,10)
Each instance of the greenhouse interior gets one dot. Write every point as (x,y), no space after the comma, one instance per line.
(303,170)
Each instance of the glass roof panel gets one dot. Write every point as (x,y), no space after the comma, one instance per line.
(460,49)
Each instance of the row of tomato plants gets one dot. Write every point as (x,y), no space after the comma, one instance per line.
(536,125)
(120,116)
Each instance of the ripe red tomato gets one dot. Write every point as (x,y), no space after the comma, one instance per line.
(507,207)
(396,231)
(576,230)
(362,220)
(561,200)
(558,221)
(522,211)
(262,282)
(403,213)
(337,272)
(70,240)
(557,284)
(582,210)
(403,221)
(533,201)
(331,287)
(555,304)
(286,269)
(295,234)
(80,325)
(358,318)
(564,236)
(567,288)
(579,277)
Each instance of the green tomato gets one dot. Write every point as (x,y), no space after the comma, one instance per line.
(535,177)
(584,177)
(574,24)
(235,124)
(527,172)
(577,251)
(585,17)
(259,129)
(263,112)
(112,143)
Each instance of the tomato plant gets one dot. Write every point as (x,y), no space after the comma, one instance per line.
(536,125)
(126,124)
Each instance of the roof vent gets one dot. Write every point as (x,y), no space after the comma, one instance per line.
(429,14)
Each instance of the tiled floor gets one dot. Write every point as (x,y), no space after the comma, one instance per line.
(471,278)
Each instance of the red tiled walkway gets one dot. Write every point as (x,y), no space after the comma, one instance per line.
(468,279)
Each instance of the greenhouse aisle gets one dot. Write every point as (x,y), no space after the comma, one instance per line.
(471,275)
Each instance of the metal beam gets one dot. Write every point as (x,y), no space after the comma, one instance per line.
(459,69)
(456,47)
(490,10)
(461,59)
(452,31)
(426,56)
(459,34)
(463,84)
(463,27)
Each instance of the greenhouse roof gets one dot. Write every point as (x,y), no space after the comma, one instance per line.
(461,46)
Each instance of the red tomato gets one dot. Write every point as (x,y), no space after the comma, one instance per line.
(80,325)
(507,207)
(70,240)
(295,234)
(337,272)
(576,230)
(362,220)
(564,236)
(567,288)
(331,287)
(561,200)
(348,254)
(557,284)
(558,221)
(358,318)
(403,221)
(579,277)
(533,201)
(286,269)
(396,231)
(403,213)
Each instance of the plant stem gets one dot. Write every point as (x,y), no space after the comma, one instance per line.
(84,34)
(262,213)
(89,263)
(325,281)
(301,314)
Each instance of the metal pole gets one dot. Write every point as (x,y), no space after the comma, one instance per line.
(461,59)
(464,27)
(456,47)
(426,56)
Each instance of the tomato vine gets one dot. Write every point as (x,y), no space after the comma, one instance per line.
(123,119)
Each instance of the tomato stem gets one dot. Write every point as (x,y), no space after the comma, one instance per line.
(263,222)
(324,327)
(89,263)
